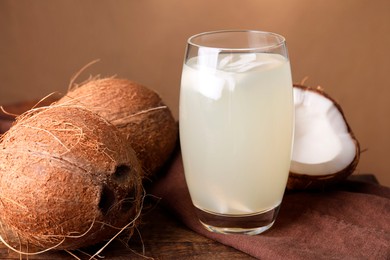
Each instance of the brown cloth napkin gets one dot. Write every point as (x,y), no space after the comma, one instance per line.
(351,221)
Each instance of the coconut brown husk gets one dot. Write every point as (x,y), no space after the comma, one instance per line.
(67,181)
(306,181)
(137,111)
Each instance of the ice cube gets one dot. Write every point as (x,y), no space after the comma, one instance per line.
(247,61)
(212,83)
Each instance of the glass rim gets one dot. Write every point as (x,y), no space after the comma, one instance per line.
(281,40)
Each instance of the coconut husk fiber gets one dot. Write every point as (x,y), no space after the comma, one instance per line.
(67,181)
(349,221)
(136,110)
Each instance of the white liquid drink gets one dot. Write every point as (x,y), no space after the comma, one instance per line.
(236,128)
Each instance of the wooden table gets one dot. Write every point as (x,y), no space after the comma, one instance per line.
(160,235)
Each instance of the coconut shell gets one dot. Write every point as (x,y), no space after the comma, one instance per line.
(137,111)
(298,181)
(67,180)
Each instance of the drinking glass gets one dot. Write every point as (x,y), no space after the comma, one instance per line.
(236,121)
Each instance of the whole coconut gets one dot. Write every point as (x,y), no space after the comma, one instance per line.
(67,180)
(137,111)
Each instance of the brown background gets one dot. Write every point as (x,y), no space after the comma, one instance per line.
(344,46)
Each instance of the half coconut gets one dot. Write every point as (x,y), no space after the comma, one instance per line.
(325,149)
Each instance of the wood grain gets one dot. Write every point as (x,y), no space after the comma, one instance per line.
(160,236)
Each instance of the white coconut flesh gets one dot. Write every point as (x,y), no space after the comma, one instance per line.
(323,144)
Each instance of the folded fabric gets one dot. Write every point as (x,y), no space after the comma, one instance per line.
(351,221)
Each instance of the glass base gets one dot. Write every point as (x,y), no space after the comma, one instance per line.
(252,224)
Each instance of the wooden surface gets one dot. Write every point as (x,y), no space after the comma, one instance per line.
(160,236)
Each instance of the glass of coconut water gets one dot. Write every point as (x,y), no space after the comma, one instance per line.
(236,128)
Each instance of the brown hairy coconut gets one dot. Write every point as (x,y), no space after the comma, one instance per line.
(137,111)
(325,149)
(67,180)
